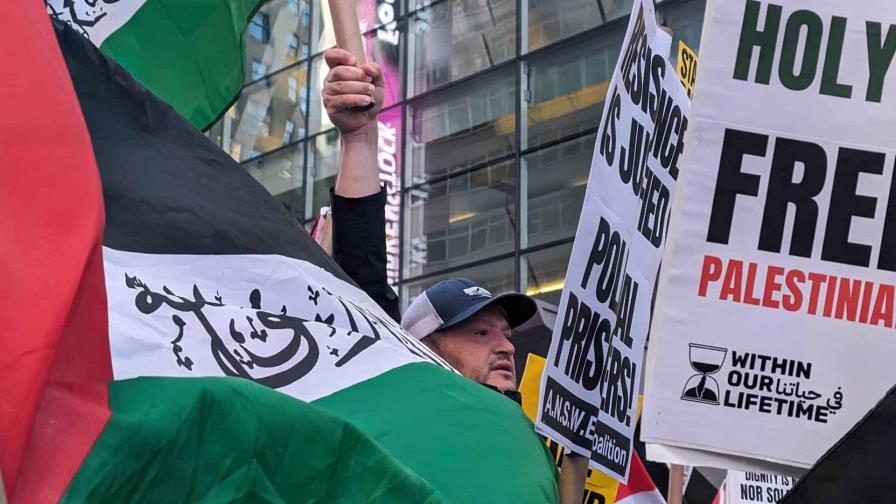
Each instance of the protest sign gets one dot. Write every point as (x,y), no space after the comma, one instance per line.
(686,67)
(754,487)
(775,307)
(592,379)
(599,488)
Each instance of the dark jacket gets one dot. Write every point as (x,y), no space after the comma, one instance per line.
(359,246)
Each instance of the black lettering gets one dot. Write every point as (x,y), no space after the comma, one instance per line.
(732,181)
(598,249)
(569,321)
(634,157)
(887,258)
(846,204)
(783,190)
(793,78)
(608,139)
(752,37)
(880,57)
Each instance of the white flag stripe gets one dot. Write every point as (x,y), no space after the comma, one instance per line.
(282,322)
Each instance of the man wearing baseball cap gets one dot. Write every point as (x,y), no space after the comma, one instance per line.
(470,328)
(459,320)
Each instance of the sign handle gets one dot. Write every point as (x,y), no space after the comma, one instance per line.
(346,29)
(676,483)
(571,483)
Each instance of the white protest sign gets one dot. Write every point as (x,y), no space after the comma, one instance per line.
(754,487)
(773,330)
(592,379)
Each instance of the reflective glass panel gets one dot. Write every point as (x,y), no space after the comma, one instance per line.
(567,88)
(268,114)
(324,165)
(557,177)
(462,127)
(546,272)
(553,20)
(686,21)
(276,37)
(496,277)
(456,38)
(463,219)
(281,174)
(614,9)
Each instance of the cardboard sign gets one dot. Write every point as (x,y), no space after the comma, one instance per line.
(773,330)
(592,379)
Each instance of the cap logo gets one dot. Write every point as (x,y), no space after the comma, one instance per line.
(477,291)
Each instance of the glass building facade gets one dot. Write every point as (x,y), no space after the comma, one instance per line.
(486,136)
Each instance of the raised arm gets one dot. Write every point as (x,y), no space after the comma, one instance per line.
(358,201)
(346,90)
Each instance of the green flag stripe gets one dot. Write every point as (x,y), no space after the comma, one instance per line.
(469,442)
(230,440)
(415,434)
(198,43)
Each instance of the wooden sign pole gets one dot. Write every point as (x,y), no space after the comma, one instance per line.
(346,29)
(571,483)
(676,483)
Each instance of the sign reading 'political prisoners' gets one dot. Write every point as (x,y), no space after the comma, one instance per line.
(775,312)
(591,383)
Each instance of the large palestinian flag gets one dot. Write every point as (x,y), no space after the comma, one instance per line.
(196,346)
(190,53)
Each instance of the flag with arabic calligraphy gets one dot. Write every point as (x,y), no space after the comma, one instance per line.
(190,53)
(170,335)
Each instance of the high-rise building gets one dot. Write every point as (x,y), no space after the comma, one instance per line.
(486,135)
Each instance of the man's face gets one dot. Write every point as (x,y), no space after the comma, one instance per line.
(479,348)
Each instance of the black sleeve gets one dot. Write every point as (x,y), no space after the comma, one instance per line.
(359,245)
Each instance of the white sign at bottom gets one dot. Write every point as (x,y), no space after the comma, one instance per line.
(754,487)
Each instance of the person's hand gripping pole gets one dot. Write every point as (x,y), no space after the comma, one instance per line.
(352,96)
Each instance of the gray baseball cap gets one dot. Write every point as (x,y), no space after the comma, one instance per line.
(450,302)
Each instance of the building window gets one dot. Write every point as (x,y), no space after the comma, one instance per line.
(303,104)
(293,87)
(288,128)
(259,69)
(260,28)
(293,6)
(306,14)
(293,45)
(265,129)
(305,49)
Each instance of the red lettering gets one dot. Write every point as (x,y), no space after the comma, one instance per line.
(749,298)
(712,271)
(883,306)
(793,301)
(848,299)
(829,296)
(772,286)
(731,285)
(866,302)
(816,279)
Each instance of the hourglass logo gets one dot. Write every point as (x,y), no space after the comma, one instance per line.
(707,361)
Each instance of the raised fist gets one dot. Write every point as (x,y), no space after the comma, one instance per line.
(349,89)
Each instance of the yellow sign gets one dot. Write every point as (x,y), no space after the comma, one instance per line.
(687,67)
(599,488)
